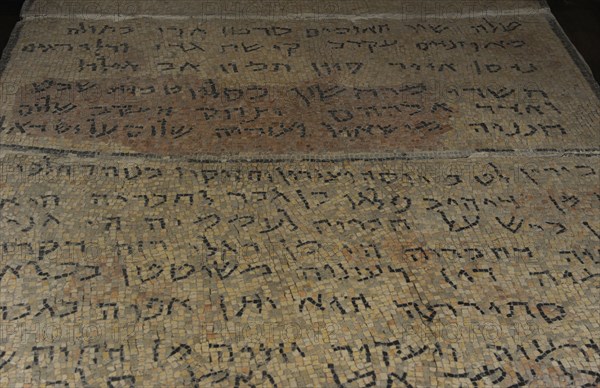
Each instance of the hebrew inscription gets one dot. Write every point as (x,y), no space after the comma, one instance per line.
(344,194)
(241,273)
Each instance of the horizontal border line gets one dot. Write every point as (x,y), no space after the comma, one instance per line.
(425,155)
(298,16)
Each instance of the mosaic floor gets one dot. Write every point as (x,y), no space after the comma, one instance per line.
(388,193)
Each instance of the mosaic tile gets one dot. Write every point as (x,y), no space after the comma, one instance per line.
(334,194)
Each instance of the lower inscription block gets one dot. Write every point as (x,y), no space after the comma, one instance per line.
(367,272)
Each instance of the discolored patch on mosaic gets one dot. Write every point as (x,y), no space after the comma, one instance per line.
(256,87)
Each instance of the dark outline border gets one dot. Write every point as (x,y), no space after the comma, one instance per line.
(28,5)
(575,55)
(10,46)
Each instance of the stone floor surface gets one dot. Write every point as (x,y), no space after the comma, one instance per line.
(302,194)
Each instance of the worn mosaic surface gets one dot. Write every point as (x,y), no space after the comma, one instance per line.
(299,197)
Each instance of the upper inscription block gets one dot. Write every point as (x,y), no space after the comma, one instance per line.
(280,86)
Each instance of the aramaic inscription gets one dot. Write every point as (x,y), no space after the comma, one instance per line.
(285,86)
(293,195)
